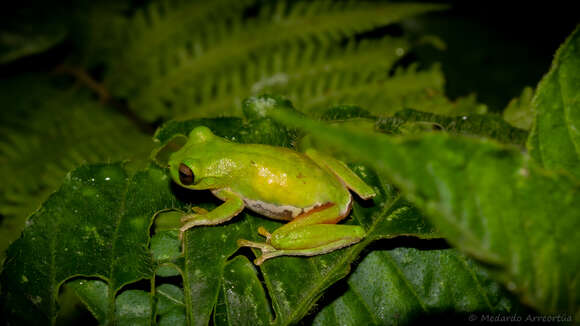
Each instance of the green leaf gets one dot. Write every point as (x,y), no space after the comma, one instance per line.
(50,129)
(555,137)
(410,121)
(519,112)
(402,285)
(133,307)
(489,200)
(94,294)
(170,305)
(96,225)
(166,248)
(242,297)
(201,280)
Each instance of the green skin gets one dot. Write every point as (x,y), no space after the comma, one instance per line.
(310,190)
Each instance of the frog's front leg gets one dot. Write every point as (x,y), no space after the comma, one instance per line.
(231,207)
(312,234)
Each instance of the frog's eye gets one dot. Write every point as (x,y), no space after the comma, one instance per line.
(185,174)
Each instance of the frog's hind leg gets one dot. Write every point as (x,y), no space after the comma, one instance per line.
(353,235)
(308,235)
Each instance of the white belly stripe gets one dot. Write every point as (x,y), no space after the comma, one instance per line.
(284,212)
(279,212)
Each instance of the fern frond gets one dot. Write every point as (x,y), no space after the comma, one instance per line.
(286,72)
(155,34)
(189,70)
(54,131)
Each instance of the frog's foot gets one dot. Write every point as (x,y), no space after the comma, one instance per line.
(196,211)
(190,220)
(267,250)
(201,216)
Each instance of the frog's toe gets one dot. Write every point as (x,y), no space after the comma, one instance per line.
(267,250)
(263,232)
(259,245)
(188,217)
(268,255)
(199,210)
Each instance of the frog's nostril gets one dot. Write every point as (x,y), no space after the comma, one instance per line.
(185,174)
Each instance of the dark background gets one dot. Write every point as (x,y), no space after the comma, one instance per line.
(495,48)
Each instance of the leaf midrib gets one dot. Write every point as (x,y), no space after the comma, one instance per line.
(112,291)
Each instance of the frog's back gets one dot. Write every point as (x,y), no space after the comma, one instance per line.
(281,183)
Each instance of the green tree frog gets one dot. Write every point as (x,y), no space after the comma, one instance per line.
(309,190)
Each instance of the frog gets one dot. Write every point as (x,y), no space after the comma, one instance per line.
(309,190)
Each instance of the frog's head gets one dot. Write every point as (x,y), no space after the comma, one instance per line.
(191,166)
